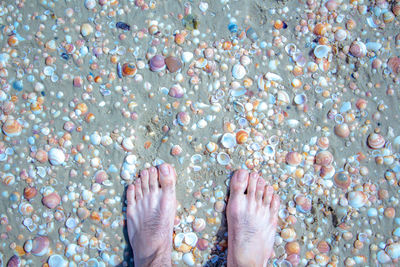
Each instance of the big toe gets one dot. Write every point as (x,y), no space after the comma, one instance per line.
(167,177)
(239,182)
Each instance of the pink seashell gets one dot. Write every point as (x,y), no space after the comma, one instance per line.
(294,259)
(78,81)
(324,158)
(51,200)
(14,261)
(202,244)
(100,176)
(208,53)
(176,150)
(323,143)
(157,63)
(8,107)
(40,246)
(41,156)
(327,172)
(83,213)
(183,118)
(303,203)
(198,224)
(342,180)
(173,64)
(342,130)
(375,141)
(176,91)
(293,158)
(394,64)
(12,128)
(69,126)
(323,247)
(358,49)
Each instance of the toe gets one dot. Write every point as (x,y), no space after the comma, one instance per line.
(239,182)
(138,189)
(130,195)
(144,177)
(154,185)
(251,188)
(268,192)
(275,207)
(167,177)
(260,189)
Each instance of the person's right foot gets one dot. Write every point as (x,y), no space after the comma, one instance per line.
(252,218)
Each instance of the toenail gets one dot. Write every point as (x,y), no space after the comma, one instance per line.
(164,169)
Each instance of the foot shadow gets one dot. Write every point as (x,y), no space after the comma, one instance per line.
(219,253)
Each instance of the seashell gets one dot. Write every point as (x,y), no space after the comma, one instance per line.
(223,158)
(70,250)
(123,26)
(324,158)
(57,260)
(396,9)
(282,98)
(129,69)
(323,247)
(303,203)
(83,240)
(188,259)
(86,29)
(251,34)
(293,158)
(187,57)
(176,150)
(190,239)
(100,176)
(357,199)
(241,137)
(394,64)
(320,29)
(292,248)
(90,4)
(25,208)
(173,64)
(180,38)
(342,130)
(323,143)
(291,260)
(383,257)
(321,51)
(30,192)
(202,244)
(228,140)
(14,261)
(327,172)
(373,46)
(12,128)
(8,107)
(389,212)
(358,49)
(157,63)
(183,118)
(176,91)
(331,5)
(8,179)
(340,35)
(211,147)
(288,234)
(52,200)
(300,99)
(342,180)
(233,27)
(153,29)
(388,17)
(198,224)
(40,246)
(292,123)
(56,156)
(322,259)
(28,245)
(393,250)
(290,49)
(375,141)
(12,41)
(238,71)
(83,213)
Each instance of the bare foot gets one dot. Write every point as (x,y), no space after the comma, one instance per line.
(150,216)
(252,219)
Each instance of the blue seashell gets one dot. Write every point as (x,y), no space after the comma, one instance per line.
(346,106)
(374,46)
(123,26)
(232,27)
(18,85)
(119,70)
(251,34)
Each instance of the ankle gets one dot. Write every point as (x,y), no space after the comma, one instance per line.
(160,258)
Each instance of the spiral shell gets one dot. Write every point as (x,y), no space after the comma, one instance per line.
(324,158)
(342,180)
(157,63)
(52,200)
(293,158)
(357,199)
(342,130)
(375,141)
(12,128)
(358,49)
(30,192)
(40,246)
(241,137)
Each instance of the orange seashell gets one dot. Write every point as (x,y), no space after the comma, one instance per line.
(320,29)
(147,144)
(89,117)
(241,137)
(324,158)
(52,200)
(288,234)
(342,180)
(82,107)
(323,247)
(227,45)
(13,41)
(389,213)
(278,24)
(229,127)
(12,128)
(293,158)
(292,248)
(211,147)
(361,104)
(375,141)
(95,216)
(323,143)
(129,69)
(30,192)
(322,259)
(342,130)
(176,150)
(41,156)
(351,24)
(180,38)
(297,71)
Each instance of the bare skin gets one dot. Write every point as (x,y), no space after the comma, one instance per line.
(252,218)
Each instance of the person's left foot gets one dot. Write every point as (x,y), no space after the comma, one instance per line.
(150,216)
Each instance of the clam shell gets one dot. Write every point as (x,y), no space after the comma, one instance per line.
(199,224)
(129,69)
(383,257)
(293,158)
(358,49)
(340,35)
(375,141)
(30,192)
(393,250)
(342,180)
(52,200)
(282,98)
(83,213)
(176,150)
(202,244)
(303,203)
(223,158)
(14,261)
(187,57)
(190,239)
(228,140)
(292,248)
(57,260)
(157,63)
(90,4)
(40,246)
(183,118)
(323,247)
(327,172)
(238,71)
(288,234)
(342,130)
(321,51)
(56,156)
(211,147)
(357,199)
(188,259)
(12,128)
(176,91)
(394,64)
(86,29)
(300,99)
(324,158)
(241,137)
(323,143)
(173,63)
(25,208)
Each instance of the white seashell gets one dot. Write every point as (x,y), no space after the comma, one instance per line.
(357,199)
(176,256)
(191,239)
(300,99)
(245,60)
(340,35)
(127,144)
(57,260)
(131,159)
(238,71)
(321,51)
(282,98)
(70,250)
(28,246)
(106,140)
(203,6)
(71,223)
(223,158)
(228,140)
(202,123)
(90,4)
(187,57)
(178,240)
(56,156)
(393,250)
(95,139)
(188,259)
(290,49)
(87,195)
(373,46)
(292,123)
(272,77)
(86,29)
